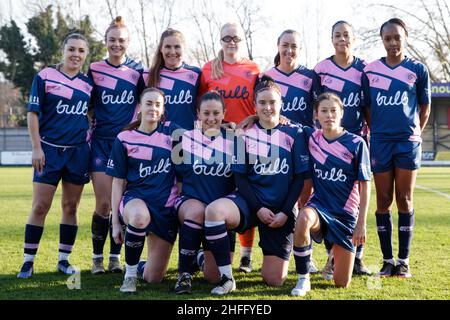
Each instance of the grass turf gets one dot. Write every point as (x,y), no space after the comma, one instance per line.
(430,254)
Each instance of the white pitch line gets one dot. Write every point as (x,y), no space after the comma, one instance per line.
(434,191)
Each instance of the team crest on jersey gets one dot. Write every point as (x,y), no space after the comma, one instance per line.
(168,142)
(375,80)
(306,83)
(134,77)
(328,81)
(248,74)
(191,76)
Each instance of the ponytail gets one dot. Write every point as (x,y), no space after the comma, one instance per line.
(217,66)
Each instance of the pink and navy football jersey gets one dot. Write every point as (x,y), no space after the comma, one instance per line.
(270,159)
(180,87)
(62,105)
(144,161)
(337,166)
(298,89)
(206,169)
(346,83)
(394,95)
(115,96)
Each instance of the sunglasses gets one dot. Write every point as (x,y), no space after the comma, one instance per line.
(228,39)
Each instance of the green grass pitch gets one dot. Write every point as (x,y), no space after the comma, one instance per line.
(430,254)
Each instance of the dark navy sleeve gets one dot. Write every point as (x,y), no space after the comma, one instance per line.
(37,95)
(365,86)
(246,190)
(423,86)
(294,192)
(117,163)
(300,153)
(363,163)
(317,87)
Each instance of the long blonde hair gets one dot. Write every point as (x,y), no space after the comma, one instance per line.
(217,63)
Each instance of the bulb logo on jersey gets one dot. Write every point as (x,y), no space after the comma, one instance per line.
(222,169)
(352,101)
(398,99)
(298,104)
(80,108)
(333,175)
(184,97)
(124,98)
(162,167)
(276,167)
(237,94)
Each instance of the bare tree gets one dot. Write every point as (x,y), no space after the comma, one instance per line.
(208,27)
(429,35)
(112,8)
(249,14)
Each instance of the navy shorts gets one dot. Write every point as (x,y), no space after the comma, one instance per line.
(163,220)
(273,241)
(180,200)
(386,155)
(100,152)
(70,164)
(336,230)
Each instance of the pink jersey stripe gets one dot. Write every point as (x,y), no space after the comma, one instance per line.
(335,148)
(257,148)
(316,152)
(58,89)
(122,72)
(296,80)
(351,74)
(352,203)
(195,148)
(332,82)
(52,74)
(284,140)
(399,73)
(157,139)
(166,83)
(182,74)
(139,152)
(222,235)
(379,82)
(104,81)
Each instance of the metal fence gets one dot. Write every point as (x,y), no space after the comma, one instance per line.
(14,139)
